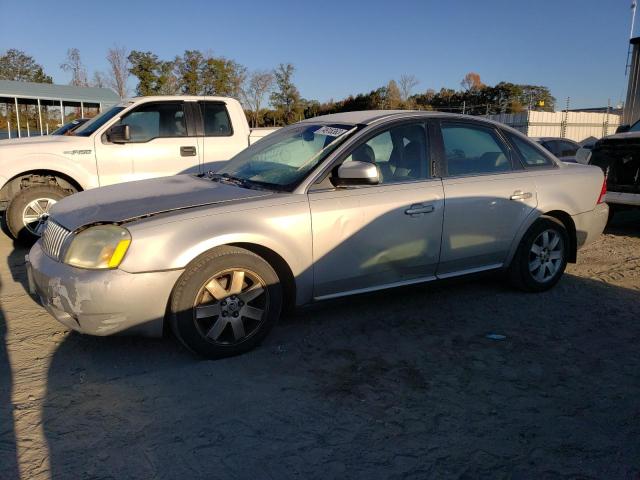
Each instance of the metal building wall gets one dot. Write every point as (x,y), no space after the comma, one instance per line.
(572,125)
(632,105)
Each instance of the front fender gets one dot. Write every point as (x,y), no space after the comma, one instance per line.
(284,228)
(82,170)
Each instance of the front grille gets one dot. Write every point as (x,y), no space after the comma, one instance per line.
(53,238)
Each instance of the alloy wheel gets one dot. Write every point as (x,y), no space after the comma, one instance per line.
(231,306)
(546,255)
(35,215)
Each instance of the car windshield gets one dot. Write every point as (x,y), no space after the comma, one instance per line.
(635,127)
(284,158)
(68,126)
(96,122)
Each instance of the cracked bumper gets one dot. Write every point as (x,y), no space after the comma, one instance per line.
(101,302)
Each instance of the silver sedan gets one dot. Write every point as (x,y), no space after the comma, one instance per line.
(332,206)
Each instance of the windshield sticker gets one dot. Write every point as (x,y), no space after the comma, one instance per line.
(330,131)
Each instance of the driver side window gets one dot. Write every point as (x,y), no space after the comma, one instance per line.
(400,154)
(159,120)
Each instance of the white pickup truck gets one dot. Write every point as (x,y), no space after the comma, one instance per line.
(140,138)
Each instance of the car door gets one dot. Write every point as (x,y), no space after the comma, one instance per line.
(368,237)
(161,144)
(218,138)
(487,198)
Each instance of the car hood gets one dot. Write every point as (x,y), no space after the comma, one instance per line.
(52,139)
(129,201)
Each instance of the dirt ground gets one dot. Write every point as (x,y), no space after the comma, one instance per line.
(400,384)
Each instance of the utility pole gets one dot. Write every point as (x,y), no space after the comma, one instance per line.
(563,127)
(633,21)
(605,129)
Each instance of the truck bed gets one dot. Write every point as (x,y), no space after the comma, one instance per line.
(620,161)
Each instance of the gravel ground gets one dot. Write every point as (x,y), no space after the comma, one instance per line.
(400,384)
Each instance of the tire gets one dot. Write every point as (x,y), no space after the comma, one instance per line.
(214,312)
(21,208)
(552,256)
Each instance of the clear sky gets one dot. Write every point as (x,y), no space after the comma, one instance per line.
(575,47)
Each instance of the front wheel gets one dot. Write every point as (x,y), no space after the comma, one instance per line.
(29,209)
(225,302)
(541,257)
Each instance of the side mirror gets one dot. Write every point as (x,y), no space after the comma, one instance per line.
(119,134)
(623,128)
(583,155)
(357,173)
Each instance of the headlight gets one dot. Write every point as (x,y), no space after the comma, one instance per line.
(103,246)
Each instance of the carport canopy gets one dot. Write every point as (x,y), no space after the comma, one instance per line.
(14,94)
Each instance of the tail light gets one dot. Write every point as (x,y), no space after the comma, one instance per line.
(603,191)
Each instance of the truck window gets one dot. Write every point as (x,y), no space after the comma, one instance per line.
(216,119)
(156,120)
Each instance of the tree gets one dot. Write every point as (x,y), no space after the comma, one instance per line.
(144,65)
(221,76)
(393,97)
(257,86)
(99,80)
(286,98)
(166,82)
(187,69)
(77,69)
(407,83)
(118,59)
(17,65)
(471,82)
(155,76)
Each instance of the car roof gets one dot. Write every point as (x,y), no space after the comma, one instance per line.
(368,117)
(547,139)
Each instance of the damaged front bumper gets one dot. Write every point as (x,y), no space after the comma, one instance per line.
(101,302)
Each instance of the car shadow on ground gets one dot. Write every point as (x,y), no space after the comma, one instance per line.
(398,384)
(625,223)
(8,446)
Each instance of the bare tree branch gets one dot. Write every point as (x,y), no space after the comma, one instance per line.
(407,83)
(257,86)
(118,58)
(99,80)
(76,67)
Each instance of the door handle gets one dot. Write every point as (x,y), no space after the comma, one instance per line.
(419,208)
(520,195)
(187,151)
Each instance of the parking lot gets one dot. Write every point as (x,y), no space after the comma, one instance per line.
(400,384)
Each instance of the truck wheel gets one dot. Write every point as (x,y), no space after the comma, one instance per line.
(541,257)
(225,302)
(28,210)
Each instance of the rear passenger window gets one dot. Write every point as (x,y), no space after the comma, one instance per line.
(473,150)
(216,119)
(531,155)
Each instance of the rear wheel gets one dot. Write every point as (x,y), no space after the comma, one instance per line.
(29,209)
(225,303)
(541,257)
